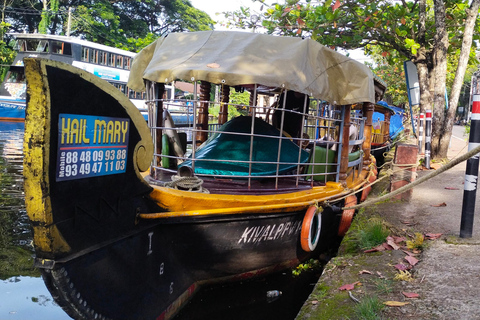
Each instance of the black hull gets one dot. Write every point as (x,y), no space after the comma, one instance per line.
(150,275)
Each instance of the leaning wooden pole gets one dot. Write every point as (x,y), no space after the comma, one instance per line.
(345,144)
(368,109)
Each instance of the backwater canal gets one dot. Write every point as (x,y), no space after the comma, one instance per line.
(23,295)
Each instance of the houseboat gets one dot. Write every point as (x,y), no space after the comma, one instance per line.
(131,218)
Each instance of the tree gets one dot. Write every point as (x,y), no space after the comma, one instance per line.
(125,23)
(424,32)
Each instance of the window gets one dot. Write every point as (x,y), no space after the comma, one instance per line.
(28,45)
(67,48)
(56,47)
(102,58)
(15,76)
(126,63)
(111,60)
(93,56)
(42,46)
(119,63)
(85,54)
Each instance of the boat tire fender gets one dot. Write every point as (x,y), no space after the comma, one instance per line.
(368,188)
(347,215)
(311,227)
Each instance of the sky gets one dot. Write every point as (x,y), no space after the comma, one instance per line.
(212,7)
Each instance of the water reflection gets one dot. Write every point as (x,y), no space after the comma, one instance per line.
(23,294)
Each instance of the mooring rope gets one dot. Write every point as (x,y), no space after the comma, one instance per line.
(193,184)
(427,177)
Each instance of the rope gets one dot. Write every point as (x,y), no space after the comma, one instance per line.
(429,176)
(193,184)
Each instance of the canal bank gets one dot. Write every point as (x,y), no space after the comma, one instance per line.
(422,271)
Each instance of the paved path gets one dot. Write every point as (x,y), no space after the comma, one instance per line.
(449,271)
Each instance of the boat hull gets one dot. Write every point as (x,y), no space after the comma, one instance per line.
(150,274)
(12,111)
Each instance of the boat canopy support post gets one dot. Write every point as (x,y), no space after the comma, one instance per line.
(223,114)
(202,124)
(368,109)
(345,142)
(386,127)
(158,90)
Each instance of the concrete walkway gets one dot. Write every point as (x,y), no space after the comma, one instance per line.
(449,271)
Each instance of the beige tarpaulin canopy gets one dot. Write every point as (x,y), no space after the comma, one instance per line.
(240,58)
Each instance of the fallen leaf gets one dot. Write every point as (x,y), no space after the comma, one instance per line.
(365,272)
(451,188)
(391,243)
(395,303)
(443,204)
(349,286)
(432,236)
(399,239)
(401,266)
(380,275)
(409,253)
(412,295)
(377,248)
(412,260)
(387,246)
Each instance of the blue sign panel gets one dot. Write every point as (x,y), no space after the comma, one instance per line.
(91,146)
(106,74)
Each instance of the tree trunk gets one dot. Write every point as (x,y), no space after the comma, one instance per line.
(440,61)
(470,20)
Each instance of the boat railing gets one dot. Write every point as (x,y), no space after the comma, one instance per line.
(261,144)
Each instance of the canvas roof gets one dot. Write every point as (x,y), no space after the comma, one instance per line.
(240,58)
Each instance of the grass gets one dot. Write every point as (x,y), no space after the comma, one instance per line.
(369,309)
(372,235)
(383,286)
(366,232)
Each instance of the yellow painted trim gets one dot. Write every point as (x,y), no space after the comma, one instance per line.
(183,203)
(46,237)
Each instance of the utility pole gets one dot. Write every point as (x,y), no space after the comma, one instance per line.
(69,23)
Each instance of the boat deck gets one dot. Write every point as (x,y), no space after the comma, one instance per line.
(217,185)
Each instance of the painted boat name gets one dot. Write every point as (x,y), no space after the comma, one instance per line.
(269,232)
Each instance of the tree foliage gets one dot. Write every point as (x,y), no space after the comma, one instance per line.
(417,30)
(126,24)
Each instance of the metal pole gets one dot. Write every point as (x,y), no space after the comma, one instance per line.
(420,133)
(428,137)
(471,173)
